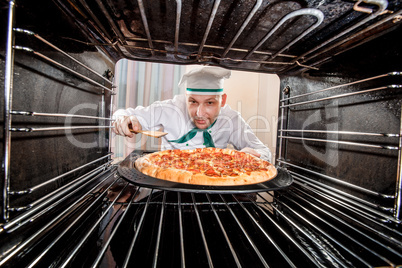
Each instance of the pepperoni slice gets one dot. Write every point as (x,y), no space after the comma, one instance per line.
(167,157)
(194,171)
(211,173)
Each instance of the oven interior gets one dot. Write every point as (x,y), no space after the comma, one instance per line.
(339,135)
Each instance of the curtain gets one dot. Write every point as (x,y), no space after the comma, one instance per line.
(140,84)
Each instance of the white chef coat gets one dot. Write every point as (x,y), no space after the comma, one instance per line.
(173,117)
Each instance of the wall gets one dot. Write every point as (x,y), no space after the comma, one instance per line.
(256,97)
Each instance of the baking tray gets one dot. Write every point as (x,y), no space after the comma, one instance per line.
(127,170)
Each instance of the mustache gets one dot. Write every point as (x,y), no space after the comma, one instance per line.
(199,118)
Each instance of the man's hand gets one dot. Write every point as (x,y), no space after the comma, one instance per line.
(123,124)
(250,151)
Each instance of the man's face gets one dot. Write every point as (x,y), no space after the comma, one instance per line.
(204,109)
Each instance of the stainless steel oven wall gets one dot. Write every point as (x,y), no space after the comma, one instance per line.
(341,126)
(59,106)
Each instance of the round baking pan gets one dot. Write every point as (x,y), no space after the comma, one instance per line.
(127,170)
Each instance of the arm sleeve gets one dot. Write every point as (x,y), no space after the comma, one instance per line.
(243,136)
(149,117)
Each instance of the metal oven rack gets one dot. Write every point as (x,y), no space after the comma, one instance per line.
(389,141)
(323,144)
(120,225)
(102,163)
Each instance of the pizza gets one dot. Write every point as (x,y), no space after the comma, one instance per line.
(206,166)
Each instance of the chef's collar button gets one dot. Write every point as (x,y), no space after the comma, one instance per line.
(210,131)
(187,144)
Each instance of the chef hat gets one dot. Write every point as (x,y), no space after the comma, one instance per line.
(205,80)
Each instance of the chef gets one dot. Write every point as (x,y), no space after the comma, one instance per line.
(200,118)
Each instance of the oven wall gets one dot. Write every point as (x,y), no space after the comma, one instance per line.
(42,86)
(373,112)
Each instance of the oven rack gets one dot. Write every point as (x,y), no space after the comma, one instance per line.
(41,206)
(337,181)
(377,146)
(146,226)
(62,66)
(36,187)
(73,116)
(377,241)
(33,129)
(27,49)
(339,139)
(63,179)
(287,98)
(150,46)
(30,33)
(372,210)
(377,212)
(59,115)
(342,95)
(285,103)
(88,184)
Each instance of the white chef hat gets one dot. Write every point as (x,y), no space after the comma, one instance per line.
(205,80)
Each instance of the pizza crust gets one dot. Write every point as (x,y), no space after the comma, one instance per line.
(147,164)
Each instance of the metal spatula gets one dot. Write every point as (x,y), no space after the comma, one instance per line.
(151,133)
